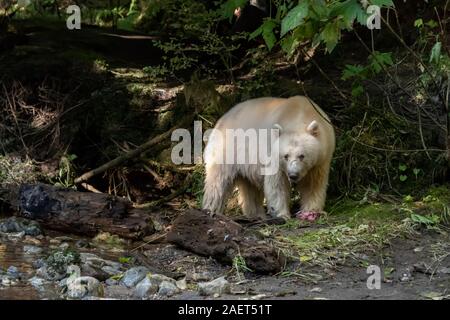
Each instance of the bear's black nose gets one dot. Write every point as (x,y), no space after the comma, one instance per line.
(293,177)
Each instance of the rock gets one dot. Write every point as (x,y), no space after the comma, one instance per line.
(145,288)
(16,236)
(167,289)
(19,225)
(200,276)
(94,266)
(134,275)
(80,287)
(64,246)
(27,249)
(111,282)
(158,278)
(49,273)
(37,282)
(316,289)
(444,270)
(39,263)
(7,281)
(422,267)
(32,240)
(117,292)
(82,244)
(13,272)
(217,286)
(181,284)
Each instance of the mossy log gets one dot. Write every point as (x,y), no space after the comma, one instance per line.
(220,237)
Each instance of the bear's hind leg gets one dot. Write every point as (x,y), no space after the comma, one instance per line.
(250,199)
(218,185)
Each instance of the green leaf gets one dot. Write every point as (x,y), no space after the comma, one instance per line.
(349,10)
(416,172)
(432,24)
(124,259)
(330,35)
(294,18)
(267,33)
(435,56)
(382,3)
(418,23)
(403,178)
(402,167)
(319,10)
(351,71)
(357,90)
(288,44)
(256,33)
(379,60)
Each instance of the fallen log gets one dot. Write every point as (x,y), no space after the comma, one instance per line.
(223,239)
(81,213)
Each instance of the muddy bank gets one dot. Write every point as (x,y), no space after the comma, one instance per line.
(54,266)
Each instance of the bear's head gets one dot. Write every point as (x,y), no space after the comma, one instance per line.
(299,151)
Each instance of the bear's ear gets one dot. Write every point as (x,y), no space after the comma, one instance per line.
(277,126)
(313,128)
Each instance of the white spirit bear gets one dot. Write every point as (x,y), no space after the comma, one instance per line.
(306,144)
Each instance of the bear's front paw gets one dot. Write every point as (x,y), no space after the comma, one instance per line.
(308,215)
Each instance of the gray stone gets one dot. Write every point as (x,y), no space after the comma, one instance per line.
(19,225)
(167,289)
(49,273)
(117,292)
(158,278)
(80,287)
(145,288)
(111,282)
(13,272)
(200,276)
(216,287)
(28,249)
(133,276)
(37,283)
(93,261)
(444,270)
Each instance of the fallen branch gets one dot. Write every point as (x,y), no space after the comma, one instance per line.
(132,154)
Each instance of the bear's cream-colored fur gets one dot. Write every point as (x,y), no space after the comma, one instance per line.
(306,146)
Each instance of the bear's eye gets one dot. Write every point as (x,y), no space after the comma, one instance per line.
(301,157)
(286,156)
